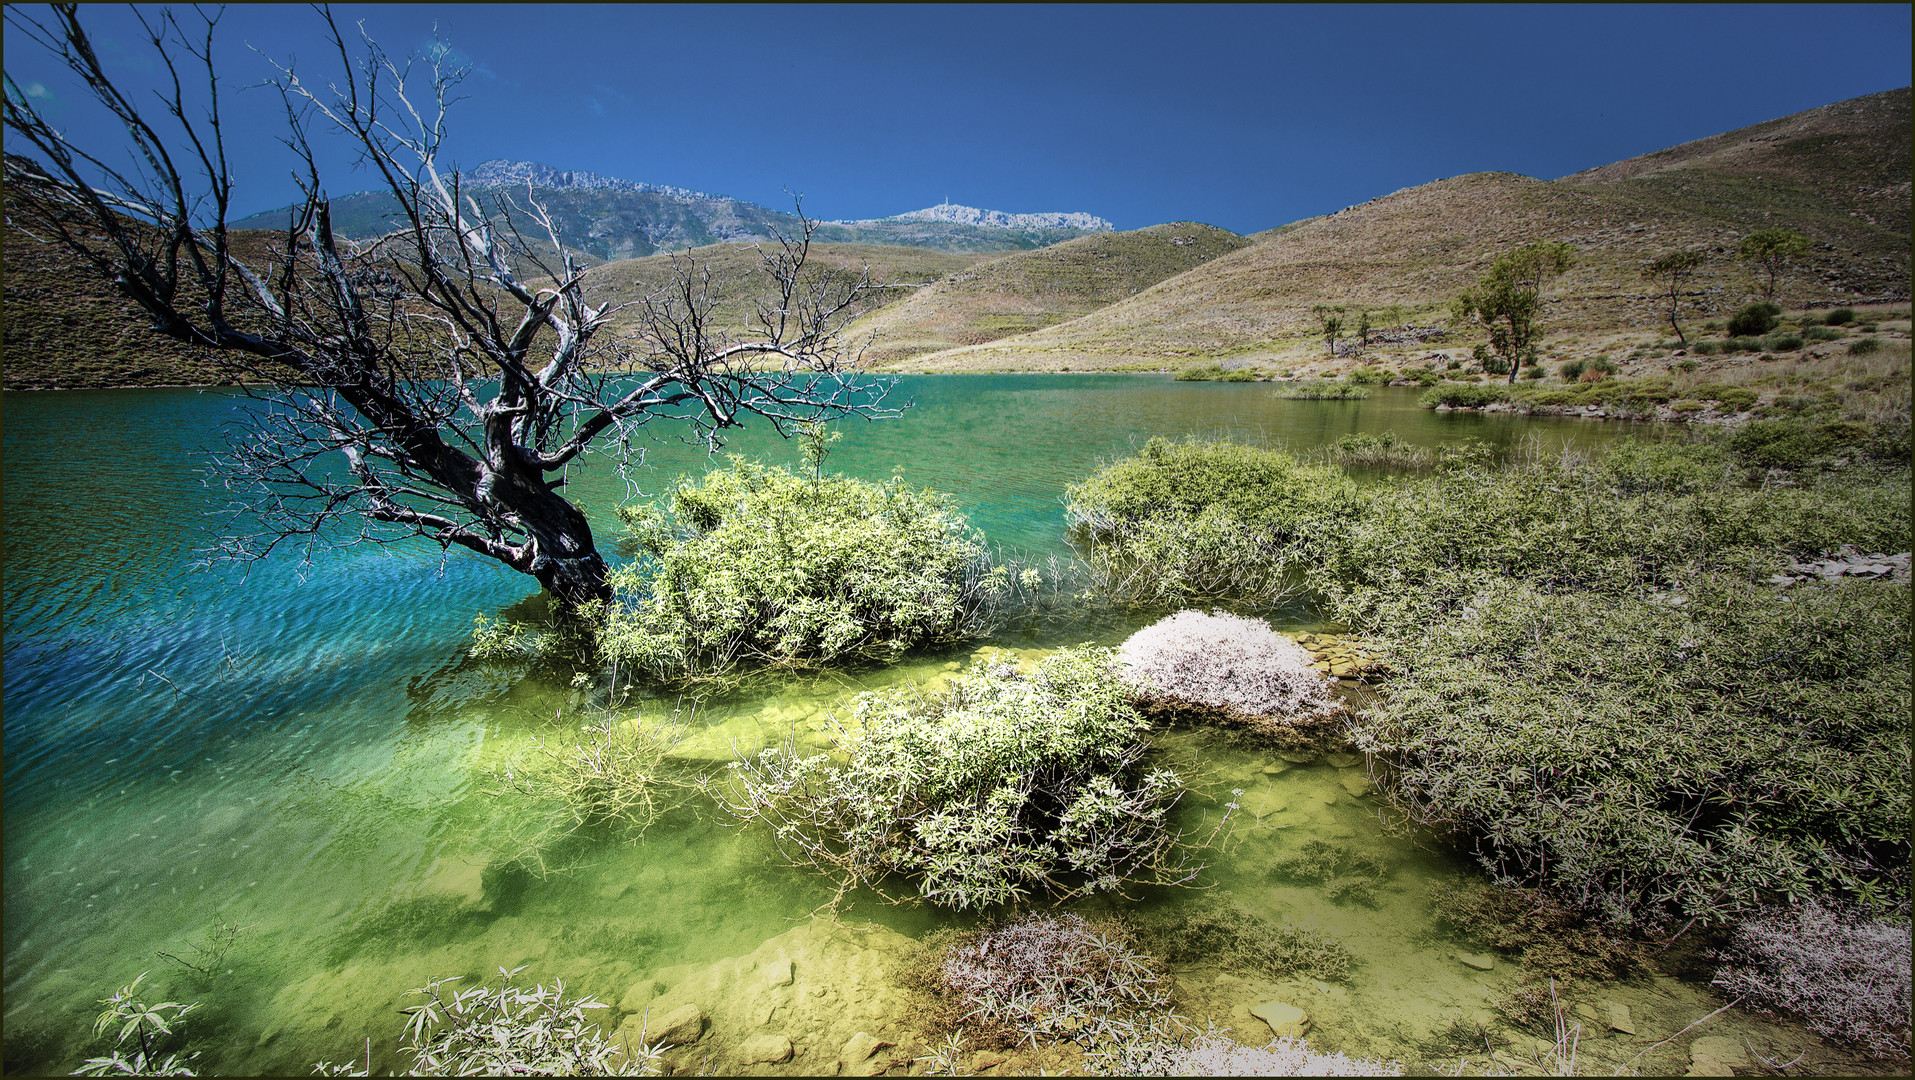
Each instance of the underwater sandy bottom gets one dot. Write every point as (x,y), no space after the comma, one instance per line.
(387,864)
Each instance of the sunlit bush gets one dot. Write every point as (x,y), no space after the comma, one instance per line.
(1002,786)
(1201,519)
(1685,754)
(756,567)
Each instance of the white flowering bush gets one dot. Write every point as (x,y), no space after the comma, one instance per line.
(1002,785)
(1843,972)
(1235,666)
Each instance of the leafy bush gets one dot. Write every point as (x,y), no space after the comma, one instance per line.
(1216,373)
(1572,370)
(1463,397)
(1742,344)
(1001,785)
(1385,450)
(1420,548)
(1864,346)
(1791,444)
(1236,666)
(1820,333)
(1200,519)
(1754,319)
(1781,343)
(1533,372)
(1369,376)
(1844,972)
(1323,390)
(1689,755)
(620,774)
(757,567)
(1550,941)
(1700,348)
(143,1031)
(509,1031)
(1840,317)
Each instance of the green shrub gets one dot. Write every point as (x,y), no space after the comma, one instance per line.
(1864,346)
(1369,376)
(1322,390)
(1742,344)
(756,567)
(1200,519)
(1227,936)
(1203,373)
(1000,786)
(1757,318)
(1840,317)
(1687,406)
(1789,444)
(1668,756)
(1534,371)
(1782,343)
(1463,397)
(1820,333)
(1419,548)
(1732,398)
(1604,365)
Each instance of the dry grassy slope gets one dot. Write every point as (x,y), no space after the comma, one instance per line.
(65,326)
(1028,290)
(1838,174)
(738,278)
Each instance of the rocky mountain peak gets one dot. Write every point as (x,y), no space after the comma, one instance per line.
(502,173)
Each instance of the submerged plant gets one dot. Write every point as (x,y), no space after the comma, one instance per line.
(618,773)
(1215,1054)
(509,1031)
(1003,785)
(1230,937)
(143,1031)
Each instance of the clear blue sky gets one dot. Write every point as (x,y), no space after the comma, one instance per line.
(1243,117)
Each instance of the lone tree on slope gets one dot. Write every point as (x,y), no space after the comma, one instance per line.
(438,380)
(1508,300)
(1770,251)
(1669,269)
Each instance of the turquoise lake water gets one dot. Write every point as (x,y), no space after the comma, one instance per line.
(299,749)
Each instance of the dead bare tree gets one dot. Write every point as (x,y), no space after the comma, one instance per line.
(435,381)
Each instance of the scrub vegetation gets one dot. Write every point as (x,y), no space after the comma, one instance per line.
(1005,786)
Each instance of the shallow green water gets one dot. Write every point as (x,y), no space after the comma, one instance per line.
(302,752)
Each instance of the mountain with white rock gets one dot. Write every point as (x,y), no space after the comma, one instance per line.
(611,218)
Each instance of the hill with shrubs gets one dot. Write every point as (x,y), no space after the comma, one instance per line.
(1838,174)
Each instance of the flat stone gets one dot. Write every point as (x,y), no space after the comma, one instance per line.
(1284,1018)
(1343,761)
(1619,1019)
(1356,783)
(1587,1012)
(859,1048)
(1276,768)
(985,1059)
(1297,757)
(680,1027)
(769,1049)
(1479,961)
(1720,1049)
(779,972)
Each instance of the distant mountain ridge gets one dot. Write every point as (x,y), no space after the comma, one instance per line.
(610,218)
(971,215)
(500,173)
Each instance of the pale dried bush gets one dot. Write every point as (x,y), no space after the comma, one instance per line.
(1213,1054)
(1229,663)
(1843,972)
(1051,977)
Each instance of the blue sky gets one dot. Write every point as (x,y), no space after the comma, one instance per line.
(1242,117)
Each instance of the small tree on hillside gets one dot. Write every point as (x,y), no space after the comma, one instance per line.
(437,381)
(1770,251)
(1670,269)
(1363,328)
(1332,322)
(1507,300)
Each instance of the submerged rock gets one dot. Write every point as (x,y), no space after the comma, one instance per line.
(1479,961)
(1619,1019)
(765,1049)
(1285,1019)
